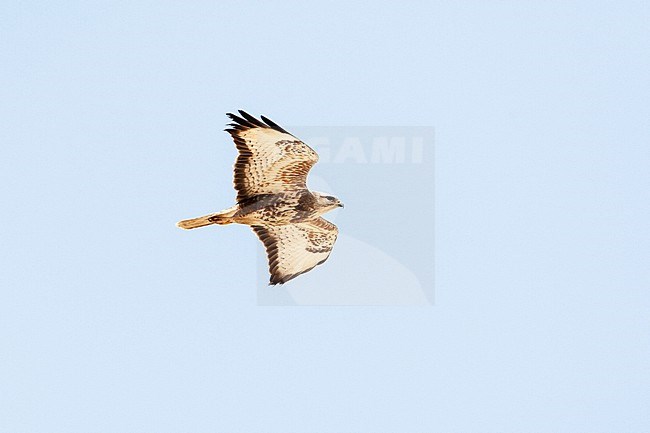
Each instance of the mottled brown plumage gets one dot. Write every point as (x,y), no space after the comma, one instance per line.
(270,176)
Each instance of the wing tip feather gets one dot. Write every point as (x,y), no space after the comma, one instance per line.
(245,121)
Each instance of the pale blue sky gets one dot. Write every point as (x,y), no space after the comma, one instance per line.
(112,320)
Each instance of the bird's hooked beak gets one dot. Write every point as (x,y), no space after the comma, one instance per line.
(340,204)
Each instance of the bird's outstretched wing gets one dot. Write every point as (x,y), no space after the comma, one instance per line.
(294,249)
(270,159)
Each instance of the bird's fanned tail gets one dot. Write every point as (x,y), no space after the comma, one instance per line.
(221,218)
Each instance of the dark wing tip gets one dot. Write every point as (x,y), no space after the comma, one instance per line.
(246,121)
(252,119)
(280,280)
(273,125)
(239,122)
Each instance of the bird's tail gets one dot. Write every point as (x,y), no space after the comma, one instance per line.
(222,218)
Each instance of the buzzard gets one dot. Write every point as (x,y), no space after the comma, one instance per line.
(272,197)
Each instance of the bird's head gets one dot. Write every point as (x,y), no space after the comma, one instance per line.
(326,202)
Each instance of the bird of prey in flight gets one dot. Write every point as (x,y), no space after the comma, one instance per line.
(272,197)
